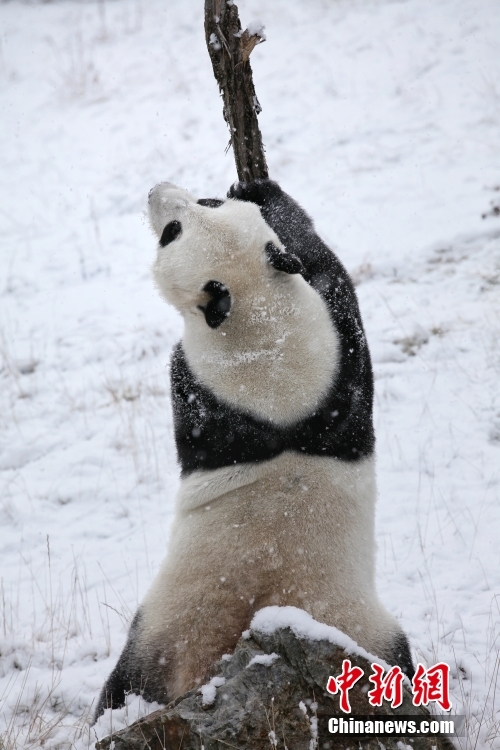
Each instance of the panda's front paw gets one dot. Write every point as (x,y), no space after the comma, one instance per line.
(258,191)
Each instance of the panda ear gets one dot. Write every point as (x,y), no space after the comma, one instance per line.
(282,261)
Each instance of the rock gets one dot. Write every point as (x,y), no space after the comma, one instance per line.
(257,705)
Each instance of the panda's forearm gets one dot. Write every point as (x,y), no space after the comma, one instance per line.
(280,211)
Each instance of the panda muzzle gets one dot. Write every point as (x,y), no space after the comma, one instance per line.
(218,307)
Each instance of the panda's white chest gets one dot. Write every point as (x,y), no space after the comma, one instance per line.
(275,357)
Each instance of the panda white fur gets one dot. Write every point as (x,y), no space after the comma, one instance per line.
(272,393)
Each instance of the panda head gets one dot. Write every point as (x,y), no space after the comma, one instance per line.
(255,332)
(207,249)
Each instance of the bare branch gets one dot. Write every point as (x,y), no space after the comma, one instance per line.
(230,48)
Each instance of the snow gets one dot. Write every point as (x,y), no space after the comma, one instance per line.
(270,619)
(113,721)
(313,722)
(382,119)
(256,28)
(214,41)
(209,690)
(265,659)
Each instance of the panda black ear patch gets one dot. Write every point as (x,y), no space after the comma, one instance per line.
(286,262)
(170,233)
(219,306)
(210,202)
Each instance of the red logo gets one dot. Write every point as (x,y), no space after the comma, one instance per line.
(389,688)
(343,683)
(431,685)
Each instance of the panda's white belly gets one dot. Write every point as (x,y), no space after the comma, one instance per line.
(299,515)
(296,530)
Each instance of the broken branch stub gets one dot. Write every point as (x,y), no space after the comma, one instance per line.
(229,48)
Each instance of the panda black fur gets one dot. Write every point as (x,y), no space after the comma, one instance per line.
(272,392)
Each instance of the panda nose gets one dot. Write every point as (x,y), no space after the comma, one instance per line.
(167,203)
(161,187)
(218,308)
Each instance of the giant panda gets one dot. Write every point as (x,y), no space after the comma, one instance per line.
(272,395)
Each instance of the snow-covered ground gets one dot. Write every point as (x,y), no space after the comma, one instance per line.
(382,119)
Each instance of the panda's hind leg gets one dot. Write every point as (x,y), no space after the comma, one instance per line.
(114,691)
(401,654)
(131,675)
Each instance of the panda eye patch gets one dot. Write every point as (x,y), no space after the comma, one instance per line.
(210,202)
(170,233)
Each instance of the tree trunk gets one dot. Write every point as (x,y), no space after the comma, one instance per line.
(229,48)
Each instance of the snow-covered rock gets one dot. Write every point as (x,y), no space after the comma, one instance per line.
(283,703)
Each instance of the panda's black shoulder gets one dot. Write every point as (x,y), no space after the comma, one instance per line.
(209,433)
(283,214)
